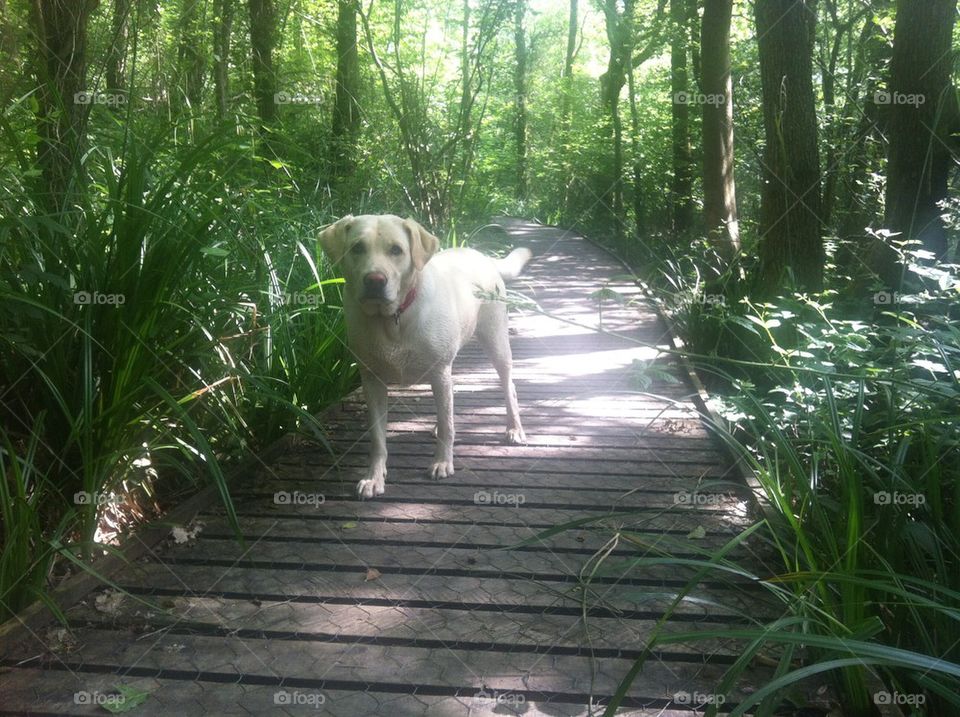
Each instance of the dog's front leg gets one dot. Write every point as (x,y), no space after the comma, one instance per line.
(375,391)
(442,384)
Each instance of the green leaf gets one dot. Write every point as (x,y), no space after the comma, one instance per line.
(130,698)
(607,293)
(215,251)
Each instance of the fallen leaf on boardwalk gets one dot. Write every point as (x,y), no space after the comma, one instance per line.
(108,601)
(372,574)
(128,699)
(698,533)
(183,535)
(349,526)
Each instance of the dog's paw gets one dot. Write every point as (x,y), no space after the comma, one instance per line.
(369,488)
(516,436)
(373,486)
(441,469)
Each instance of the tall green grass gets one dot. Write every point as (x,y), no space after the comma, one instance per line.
(853,435)
(148,336)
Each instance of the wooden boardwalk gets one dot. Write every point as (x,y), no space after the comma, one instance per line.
(407,604)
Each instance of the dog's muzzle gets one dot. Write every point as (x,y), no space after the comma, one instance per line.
(374,286)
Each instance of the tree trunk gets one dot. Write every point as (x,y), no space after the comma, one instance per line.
(619,26)
(790,228)
(262,42)
(681,187)
(223,16)
(637,193)
(923,114)
(567,76)
(192,55)
(853,205)
(520,91)
(566,101)
(117,52)
(858,206)
(8,40)
(61,27)
(693,33)
(346,108)
(719,188)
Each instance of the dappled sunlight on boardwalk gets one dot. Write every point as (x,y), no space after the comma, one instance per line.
(408,604)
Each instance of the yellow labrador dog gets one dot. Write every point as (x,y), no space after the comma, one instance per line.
(409,309)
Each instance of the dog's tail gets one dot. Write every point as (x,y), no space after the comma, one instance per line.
(511,266)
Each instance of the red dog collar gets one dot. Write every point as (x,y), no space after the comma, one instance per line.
(411,295)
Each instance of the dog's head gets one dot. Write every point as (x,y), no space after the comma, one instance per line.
(380,256)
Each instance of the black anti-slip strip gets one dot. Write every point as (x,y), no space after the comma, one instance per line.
(280,515)
(440,544)
(442,572)
(605,508)
(716,472)
(396,688)
(206,630)
(563,611)
(431,500)
(505,487)
(691,468)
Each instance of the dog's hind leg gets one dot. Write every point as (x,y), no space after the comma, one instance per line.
(442,384)
(493,337)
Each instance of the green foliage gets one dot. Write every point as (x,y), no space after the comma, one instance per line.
(843,405)
(157,329)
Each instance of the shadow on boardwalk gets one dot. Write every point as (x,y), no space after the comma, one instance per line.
(405,605)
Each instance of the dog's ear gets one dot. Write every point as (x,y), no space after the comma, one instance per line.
(333,238)
(423,244)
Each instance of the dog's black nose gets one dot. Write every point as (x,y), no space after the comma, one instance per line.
(374,284)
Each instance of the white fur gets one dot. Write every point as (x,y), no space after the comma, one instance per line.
(448,309)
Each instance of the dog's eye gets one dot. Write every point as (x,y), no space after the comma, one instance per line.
(358,248)
(396,250)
